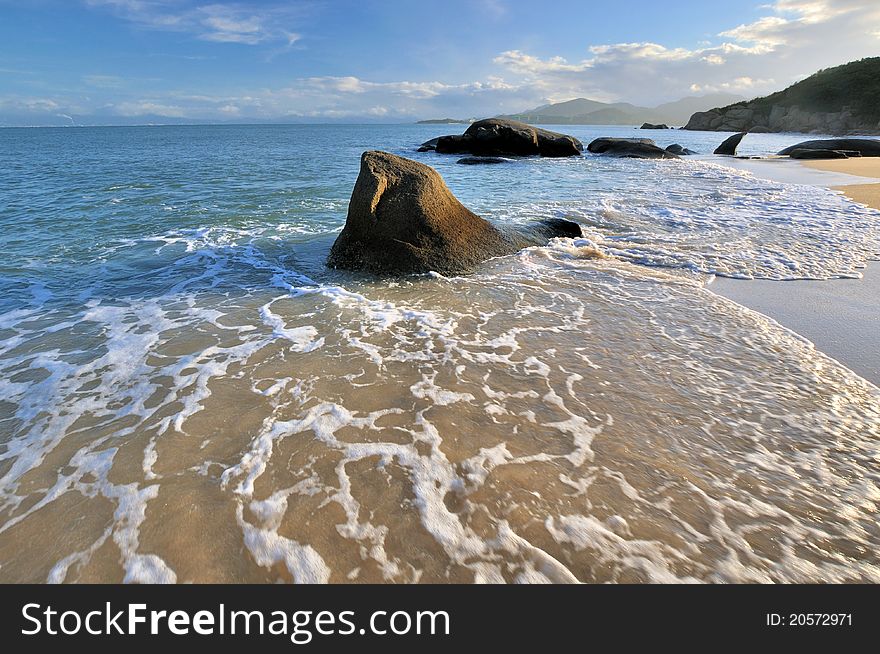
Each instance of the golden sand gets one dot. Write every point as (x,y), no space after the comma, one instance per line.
(867,194)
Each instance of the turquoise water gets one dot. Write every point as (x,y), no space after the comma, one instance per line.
(188,394)
(84,209)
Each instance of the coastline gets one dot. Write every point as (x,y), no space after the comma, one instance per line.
(839,316)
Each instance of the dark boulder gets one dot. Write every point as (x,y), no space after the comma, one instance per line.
(497,136)
(730,145)
(429,146)
(403,219)
(481,161)
(653,126)
(630,148)
(803,153)
(865,147)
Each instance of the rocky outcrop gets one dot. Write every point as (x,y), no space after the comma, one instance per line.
(730,145)
(864,147)
(403,219)
(759,118)
(653,126)
(841,100)
(498,136)
(630,148)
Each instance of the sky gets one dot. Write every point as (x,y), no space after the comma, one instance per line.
(124,61)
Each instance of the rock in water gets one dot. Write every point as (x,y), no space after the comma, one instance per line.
(559,228)
(730,145)
(480,161)
(403,219)
(654,126)
(865,147)
(429,146)
(498,136)
(630,148)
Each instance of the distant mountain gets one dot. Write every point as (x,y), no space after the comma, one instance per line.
(591,112)
(840,100)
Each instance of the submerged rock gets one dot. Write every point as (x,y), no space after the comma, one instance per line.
(730,145)
(630,148)
(559,228)
(498,136)
(481,161)
(403,219)
(865,147)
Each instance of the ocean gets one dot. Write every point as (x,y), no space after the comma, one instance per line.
(188,394)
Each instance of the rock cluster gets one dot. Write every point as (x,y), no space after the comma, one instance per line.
(500,137)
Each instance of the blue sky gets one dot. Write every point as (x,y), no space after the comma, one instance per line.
(313,60)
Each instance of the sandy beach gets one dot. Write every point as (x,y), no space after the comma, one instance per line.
(867,194)
(840,317)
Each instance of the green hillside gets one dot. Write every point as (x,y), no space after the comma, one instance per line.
(840,100)
(855,85)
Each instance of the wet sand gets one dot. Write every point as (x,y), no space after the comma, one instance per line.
(841,317)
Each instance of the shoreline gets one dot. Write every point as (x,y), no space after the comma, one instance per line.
(839,316)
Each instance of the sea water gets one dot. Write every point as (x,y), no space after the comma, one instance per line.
(188,394)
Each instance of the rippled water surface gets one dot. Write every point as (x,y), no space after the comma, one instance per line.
(188,394)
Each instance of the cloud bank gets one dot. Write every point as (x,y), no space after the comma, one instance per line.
(792,39)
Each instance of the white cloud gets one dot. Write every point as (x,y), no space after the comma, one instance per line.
(740,85)
(145,108)
(792,39)
(795,39)
(217,22)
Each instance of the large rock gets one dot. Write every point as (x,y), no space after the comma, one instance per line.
(730,145)
(802,153)
(498,136)
(403,219)
(630,148)
(653,126)
(865,147)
